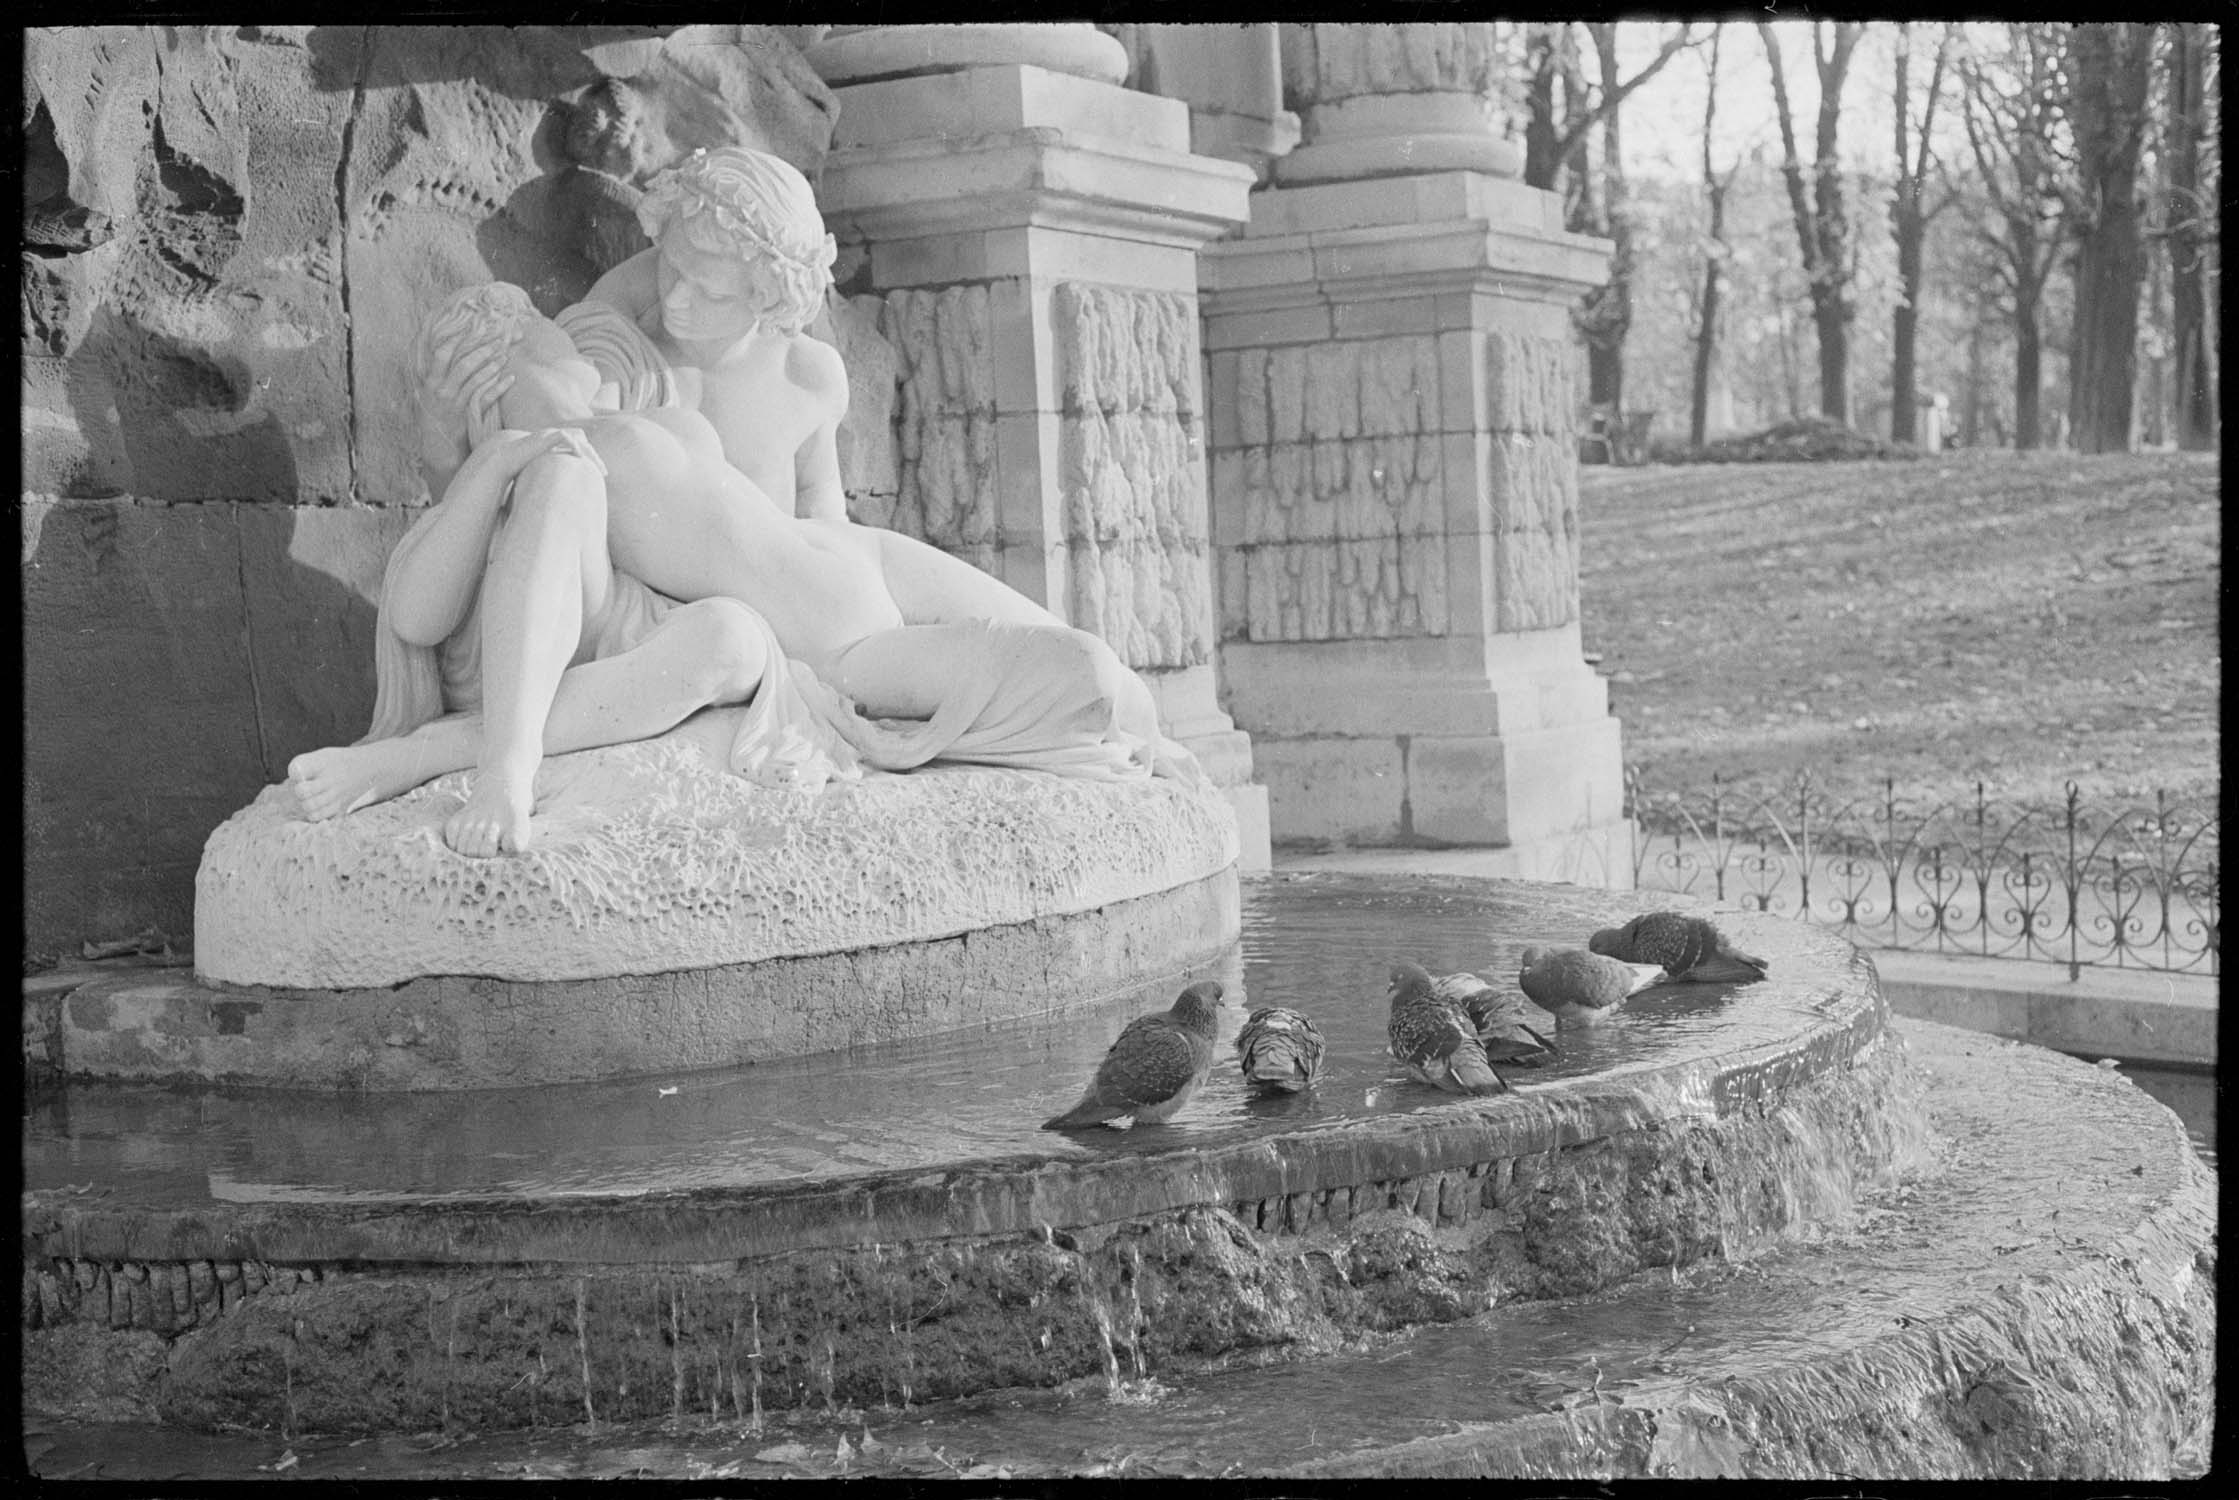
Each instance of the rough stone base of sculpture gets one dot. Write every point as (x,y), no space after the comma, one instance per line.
(650,858)
(462,1032)
(669,916)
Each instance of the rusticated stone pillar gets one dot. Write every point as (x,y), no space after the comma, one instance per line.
(1033,237)
(1393,383)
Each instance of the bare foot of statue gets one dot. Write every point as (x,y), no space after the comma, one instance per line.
(340,779)
(495,819)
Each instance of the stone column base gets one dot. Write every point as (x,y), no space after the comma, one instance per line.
(1440,790)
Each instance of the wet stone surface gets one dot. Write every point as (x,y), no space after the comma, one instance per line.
(660,1271)
(1321,943)
(2035,1300)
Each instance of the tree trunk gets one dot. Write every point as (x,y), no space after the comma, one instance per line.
(1607,314)
(1970,409)
(2111,69)
(2153,399)
(1909,215)
(2027,380)
(1903,375)
(2188,260)
(1822,224)
(1541,132)
(1832,318)
(1706,337)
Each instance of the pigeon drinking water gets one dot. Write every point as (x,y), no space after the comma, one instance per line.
(1279,1050)
(1435,1040)
(1154,1067)
(1687,948)
(1501,1021)
(1582,988)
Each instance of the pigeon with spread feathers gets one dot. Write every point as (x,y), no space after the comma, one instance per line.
(1687,948)
(1154,1067)
(1582,988)
(1500,1019)
(1435,1040)
(1279,1050)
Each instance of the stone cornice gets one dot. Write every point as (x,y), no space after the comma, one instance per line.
(1034,176)
(1265,274)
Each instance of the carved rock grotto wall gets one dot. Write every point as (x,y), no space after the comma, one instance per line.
(230,234)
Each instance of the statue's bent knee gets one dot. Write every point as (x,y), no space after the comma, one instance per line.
(727,647)
(560,479)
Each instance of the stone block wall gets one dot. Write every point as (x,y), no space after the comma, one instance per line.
(230,235)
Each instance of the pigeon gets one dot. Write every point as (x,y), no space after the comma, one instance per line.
(1582,988)
(1154,1067)
(1499,1018)
(1279,1051)
(1435,1040)
(1688,948)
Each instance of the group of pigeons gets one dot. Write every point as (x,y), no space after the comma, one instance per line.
(1448,1032)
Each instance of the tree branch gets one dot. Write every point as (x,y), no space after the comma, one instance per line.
(1928,110)
(1612,98)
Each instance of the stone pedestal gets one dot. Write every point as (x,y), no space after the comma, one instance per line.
(1393,387)
(1032,236)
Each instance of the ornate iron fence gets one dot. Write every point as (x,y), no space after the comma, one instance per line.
(2078,883)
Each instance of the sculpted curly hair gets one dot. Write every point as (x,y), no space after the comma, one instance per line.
(754,206)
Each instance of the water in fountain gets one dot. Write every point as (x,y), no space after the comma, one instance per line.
(848,1325)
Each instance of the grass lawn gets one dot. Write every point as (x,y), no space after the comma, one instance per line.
(2021,619)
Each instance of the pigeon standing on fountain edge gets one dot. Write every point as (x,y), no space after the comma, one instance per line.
(1582,988)
(1280,1051)
(1688,948)
(1154,1067)
(1435,1040)
(1499,1018)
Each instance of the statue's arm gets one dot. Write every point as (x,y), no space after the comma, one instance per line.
(451,387)
(434,572)
(817,493)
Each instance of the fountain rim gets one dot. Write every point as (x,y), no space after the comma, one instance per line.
(1023,1194)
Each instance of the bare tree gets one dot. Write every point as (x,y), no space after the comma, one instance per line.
(1605,315)
(1910,215)
(2189,231)
(2110,67)
(2010,102)
(1822,220)
(1555,131)
(1557,136)
(1715,252)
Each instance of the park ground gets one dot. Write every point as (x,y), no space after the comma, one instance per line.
(2022,620)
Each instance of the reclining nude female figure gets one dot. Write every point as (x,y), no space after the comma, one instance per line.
(901,628)
(506,633)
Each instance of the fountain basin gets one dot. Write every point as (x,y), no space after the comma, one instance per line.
(271,1246)
(261,1260)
